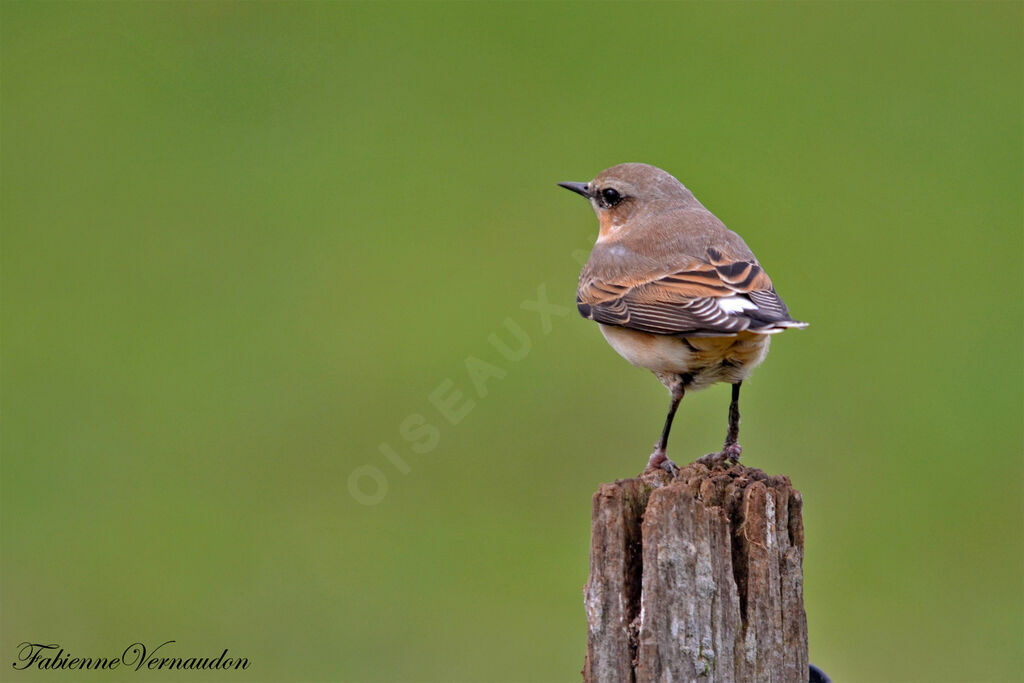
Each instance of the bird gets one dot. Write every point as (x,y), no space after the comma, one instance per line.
(676,292)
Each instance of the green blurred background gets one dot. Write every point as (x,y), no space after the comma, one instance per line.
(243,243)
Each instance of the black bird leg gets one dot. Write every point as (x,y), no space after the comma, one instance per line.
(731,449)
(658,457)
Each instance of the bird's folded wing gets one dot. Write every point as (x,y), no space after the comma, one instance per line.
(713,297)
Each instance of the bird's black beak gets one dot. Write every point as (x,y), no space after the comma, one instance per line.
(578,188)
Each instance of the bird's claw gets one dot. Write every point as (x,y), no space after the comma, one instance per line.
(729,454)
(660,461)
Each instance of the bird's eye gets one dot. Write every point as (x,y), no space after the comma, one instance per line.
(611,196)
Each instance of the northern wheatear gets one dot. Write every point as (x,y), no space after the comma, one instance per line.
(676,292)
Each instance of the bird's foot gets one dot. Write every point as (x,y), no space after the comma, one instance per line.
(660,461)
(730,453)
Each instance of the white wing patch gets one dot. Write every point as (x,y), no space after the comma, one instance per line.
(735,304)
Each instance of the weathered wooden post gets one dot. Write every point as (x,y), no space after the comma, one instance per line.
(697,579)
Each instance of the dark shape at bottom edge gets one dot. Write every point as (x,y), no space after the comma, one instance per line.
(818,676)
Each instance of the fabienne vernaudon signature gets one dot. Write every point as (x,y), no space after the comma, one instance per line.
(136,656)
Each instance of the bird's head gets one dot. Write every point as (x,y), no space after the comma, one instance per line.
(627,190)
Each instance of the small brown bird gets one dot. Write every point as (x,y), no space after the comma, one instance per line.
(676,292)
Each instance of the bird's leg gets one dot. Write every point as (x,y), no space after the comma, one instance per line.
(658,458)
(731,449)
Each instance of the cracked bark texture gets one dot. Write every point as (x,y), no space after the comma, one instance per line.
(697,579)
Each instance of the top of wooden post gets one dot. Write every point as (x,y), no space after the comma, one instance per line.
(697,578)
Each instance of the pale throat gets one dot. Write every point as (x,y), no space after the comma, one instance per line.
(609,227)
